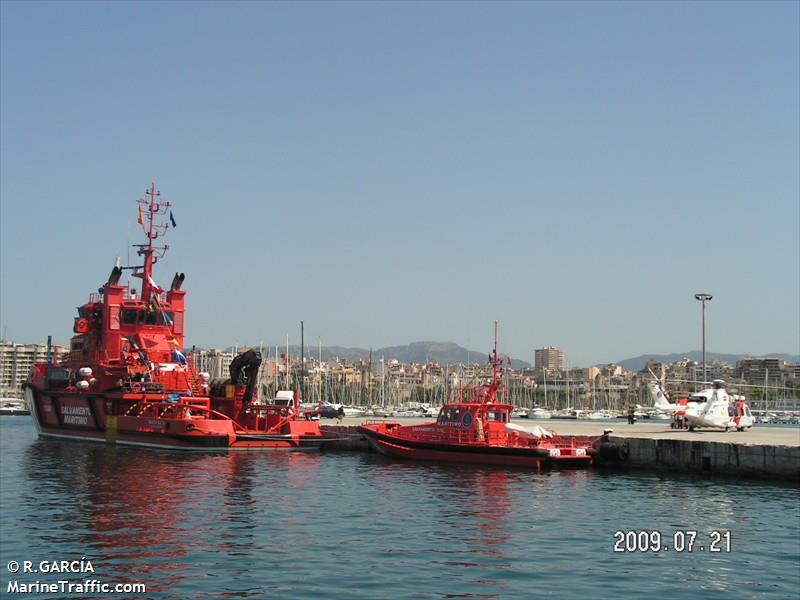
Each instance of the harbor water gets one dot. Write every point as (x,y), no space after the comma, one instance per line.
(355,525)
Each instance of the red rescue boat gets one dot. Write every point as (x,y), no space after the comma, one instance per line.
(125,379)
(475,427)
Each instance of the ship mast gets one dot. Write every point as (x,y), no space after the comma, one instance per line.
(149,209)
(495,362)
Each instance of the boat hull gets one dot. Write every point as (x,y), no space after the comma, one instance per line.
(82,417)
(536,458)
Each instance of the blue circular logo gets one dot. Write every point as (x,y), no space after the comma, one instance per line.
(466,420)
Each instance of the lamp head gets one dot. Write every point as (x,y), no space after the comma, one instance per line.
(703,297)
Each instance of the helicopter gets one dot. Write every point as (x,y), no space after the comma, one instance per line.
(712,407)
(723,410)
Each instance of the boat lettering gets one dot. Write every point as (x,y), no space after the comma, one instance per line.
(156,424)
(76,415)
(75,420)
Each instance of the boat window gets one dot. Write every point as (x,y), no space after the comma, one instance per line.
(76,343)
(496,415)
(57,374)
(140,317)
(129,316)
(447,415)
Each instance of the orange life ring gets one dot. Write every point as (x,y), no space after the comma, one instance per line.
(136,387)
(81,325)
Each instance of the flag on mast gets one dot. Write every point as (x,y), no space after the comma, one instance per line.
(140,220)
(172,219)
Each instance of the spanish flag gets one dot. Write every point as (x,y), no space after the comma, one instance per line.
(140,219)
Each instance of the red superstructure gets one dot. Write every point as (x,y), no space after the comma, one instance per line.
(475,427)
(127,381)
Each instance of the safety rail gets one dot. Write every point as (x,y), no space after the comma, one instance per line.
(567,441)
(473,436)
(177,406)
(460,436)
(273,408)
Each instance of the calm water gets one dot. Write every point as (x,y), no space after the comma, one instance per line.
(348,525)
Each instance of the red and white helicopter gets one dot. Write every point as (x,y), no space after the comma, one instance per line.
(712,407)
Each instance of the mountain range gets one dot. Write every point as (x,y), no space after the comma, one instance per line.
(448,353)
(444,353)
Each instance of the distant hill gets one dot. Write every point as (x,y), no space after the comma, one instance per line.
(444,353)
(638,363)
(449,353)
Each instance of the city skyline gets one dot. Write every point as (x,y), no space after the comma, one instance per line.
(398,172)
(351,355)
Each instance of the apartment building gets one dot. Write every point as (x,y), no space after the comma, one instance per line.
(759,370)
(548,359)
(15,362)
(214,362)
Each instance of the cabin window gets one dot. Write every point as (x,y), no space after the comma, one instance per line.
(449,416)
(129,316)
(496,415)
(76,343)
(57,374)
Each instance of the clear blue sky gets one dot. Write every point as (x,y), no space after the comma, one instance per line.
(394,172)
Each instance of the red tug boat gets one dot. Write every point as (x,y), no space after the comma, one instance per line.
(126,381)
(476,428)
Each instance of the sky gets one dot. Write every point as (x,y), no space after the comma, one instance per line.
(399,172)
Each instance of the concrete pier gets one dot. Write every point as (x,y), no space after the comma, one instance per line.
(759,453)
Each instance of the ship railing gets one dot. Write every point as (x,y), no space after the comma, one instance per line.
(568,441)
(456,435)
(284,413)
(450,436)
(179,408)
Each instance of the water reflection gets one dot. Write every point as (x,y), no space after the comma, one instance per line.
(140,513)
(238,525)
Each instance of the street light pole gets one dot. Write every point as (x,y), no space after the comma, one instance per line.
(703,298)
